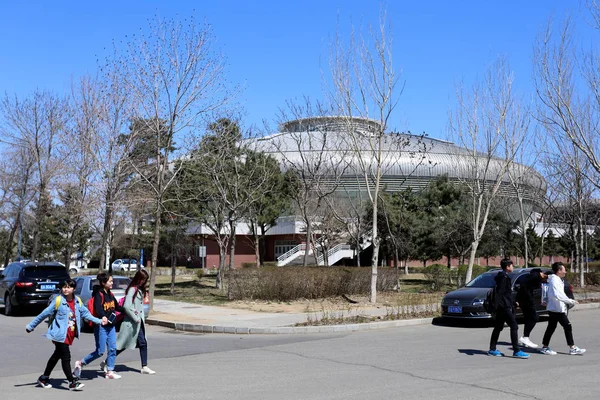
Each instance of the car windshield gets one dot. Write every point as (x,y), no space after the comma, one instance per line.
(483,281)
(45,272)
(119,283)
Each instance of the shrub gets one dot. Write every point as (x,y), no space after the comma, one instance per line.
(200,273)
(291,283)
(591,278)
(438,274)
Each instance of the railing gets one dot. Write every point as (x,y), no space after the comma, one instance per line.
(332,251)
(291,252)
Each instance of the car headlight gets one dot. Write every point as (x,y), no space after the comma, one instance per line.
(478,302)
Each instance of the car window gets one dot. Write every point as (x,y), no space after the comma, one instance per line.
(118,283)
(79,286)
(7,271)
(483,281)
(45,272)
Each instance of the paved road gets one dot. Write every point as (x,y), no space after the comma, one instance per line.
(416,362)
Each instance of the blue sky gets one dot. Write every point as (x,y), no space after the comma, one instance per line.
(277,49)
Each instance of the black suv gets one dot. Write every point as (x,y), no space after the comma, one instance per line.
(25,283)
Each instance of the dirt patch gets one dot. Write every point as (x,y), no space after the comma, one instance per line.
(384,300)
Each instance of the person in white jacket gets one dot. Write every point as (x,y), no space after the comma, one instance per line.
(557,311)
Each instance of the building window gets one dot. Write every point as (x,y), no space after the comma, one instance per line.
(283,246)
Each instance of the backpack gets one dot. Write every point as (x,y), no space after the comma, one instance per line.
(489,304)
(90,307)
(121,315)
(57,302)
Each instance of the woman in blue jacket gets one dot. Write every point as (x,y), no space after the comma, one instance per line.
(65,313)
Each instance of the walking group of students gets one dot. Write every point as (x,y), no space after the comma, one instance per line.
(557,305)
(66,314)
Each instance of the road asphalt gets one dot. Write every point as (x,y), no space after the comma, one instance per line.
(200,318)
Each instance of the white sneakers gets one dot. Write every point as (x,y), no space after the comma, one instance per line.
(112,375)
(548,351)
(575,351)
(148,371)
(524,341)
(77,369)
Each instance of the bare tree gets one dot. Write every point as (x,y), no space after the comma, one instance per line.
(364,84)
(313,160)
(17,193)
(174,78)
(36,124)
(489,123)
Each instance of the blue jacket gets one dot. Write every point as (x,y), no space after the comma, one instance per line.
(57,331)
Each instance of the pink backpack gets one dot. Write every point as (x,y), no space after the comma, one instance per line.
(121,315)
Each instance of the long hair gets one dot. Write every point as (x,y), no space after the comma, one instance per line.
(140,277)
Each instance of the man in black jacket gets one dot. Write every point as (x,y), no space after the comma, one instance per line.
(525,299)
(505,312)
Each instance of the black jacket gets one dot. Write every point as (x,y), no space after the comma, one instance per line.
(105,303)
(528,285)
(503,291)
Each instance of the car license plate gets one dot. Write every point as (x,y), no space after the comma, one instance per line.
(48,287)
(455,309)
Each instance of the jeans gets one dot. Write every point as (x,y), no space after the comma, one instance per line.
(554,319)
(505,315)
(142,345)
(104,335)
(63,353)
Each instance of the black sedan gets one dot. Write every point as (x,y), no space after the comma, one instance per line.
(467,302)
(29,283)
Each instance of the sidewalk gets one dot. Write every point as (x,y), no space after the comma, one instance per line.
(199,318)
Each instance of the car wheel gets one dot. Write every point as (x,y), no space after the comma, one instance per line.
(8,307)
(73,271)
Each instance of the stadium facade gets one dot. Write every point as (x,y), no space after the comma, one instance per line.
(406,160)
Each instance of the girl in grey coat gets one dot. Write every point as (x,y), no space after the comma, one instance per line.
(133,329)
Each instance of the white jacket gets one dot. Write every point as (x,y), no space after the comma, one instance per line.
(557,299)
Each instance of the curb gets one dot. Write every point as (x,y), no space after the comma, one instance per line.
(186,327)
(292,330)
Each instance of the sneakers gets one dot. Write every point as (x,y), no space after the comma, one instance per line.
(112,375)
(524,341)
(77,369)
(148,371)
(574,351)
(44,382)
(103,367)
(495,353)
(520,354)
(76,385)
(548,351)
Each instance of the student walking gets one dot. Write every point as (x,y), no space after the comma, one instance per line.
(505,312)
(133,329)
(105,306)
(557,307)
(530,282)
(65,313)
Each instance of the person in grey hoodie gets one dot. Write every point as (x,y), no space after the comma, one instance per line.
(557,306)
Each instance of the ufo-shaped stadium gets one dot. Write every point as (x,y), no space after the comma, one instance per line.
(406,160)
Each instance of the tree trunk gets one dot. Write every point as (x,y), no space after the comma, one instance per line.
(173,271)
(232,228)
(307,243)
(155,242)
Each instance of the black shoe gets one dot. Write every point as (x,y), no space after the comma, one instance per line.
(44,382)
(76,385)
